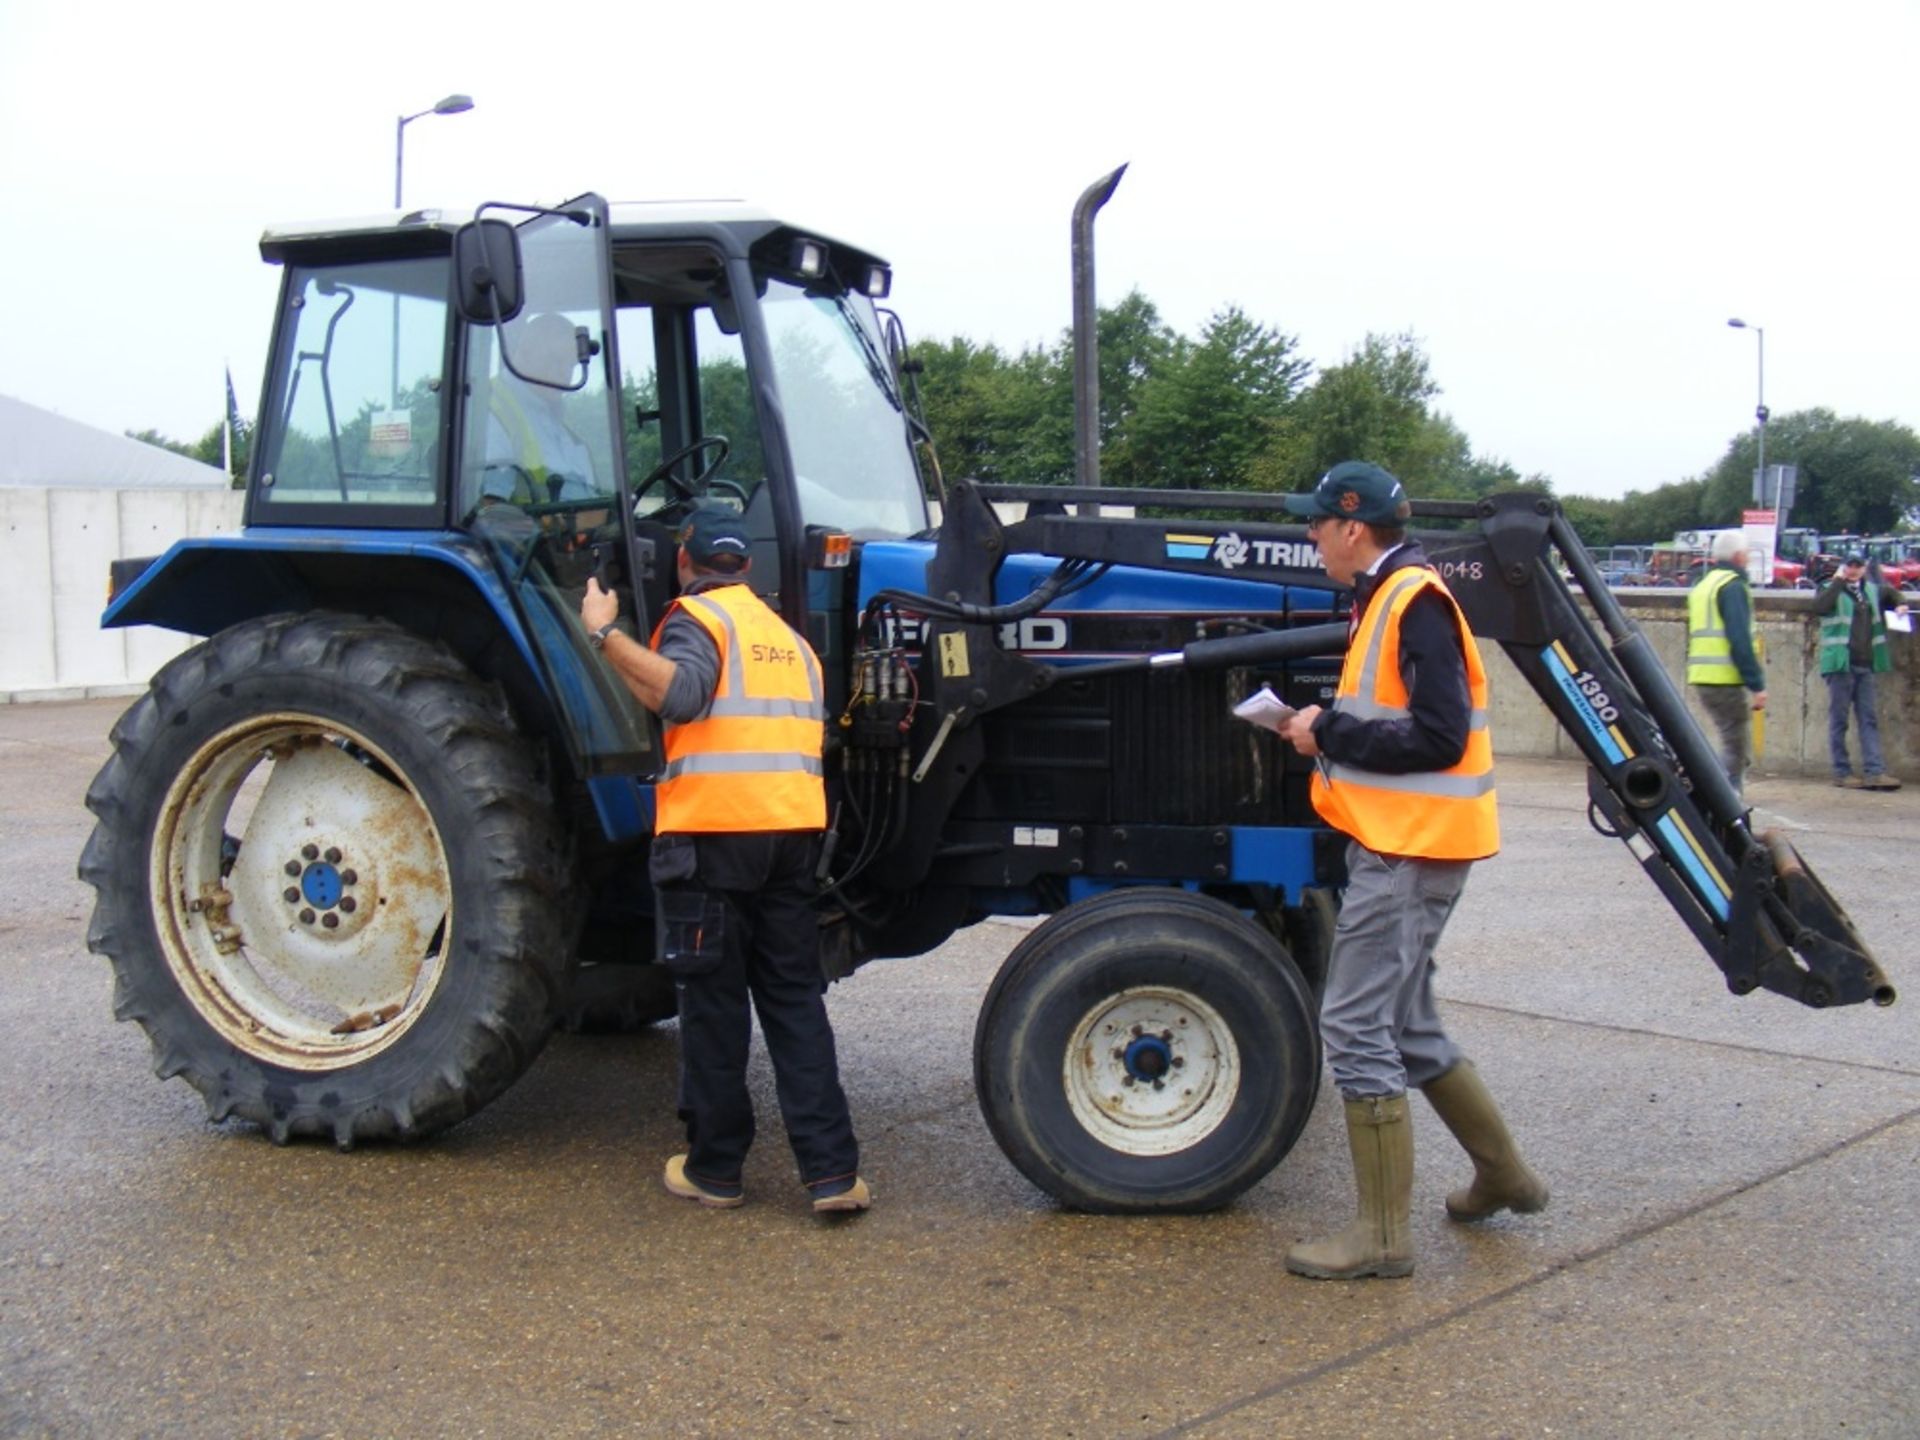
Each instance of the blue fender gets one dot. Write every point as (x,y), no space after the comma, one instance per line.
(202,586)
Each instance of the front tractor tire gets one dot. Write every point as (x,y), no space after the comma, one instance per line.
(1147,1050)
(329,880)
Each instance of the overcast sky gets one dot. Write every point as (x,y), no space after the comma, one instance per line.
(1565,203)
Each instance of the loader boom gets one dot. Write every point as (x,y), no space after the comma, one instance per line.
(1747,896)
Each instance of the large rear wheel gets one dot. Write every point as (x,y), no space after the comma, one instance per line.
(1147,1050)
(329,880)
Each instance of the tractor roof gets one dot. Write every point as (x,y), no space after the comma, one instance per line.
(732,225)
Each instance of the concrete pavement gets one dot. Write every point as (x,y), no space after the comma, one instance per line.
(1731,1248)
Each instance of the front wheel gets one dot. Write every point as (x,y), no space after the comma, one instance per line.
(329,880)
(1147,1050)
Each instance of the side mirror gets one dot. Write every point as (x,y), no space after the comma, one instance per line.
(486,265)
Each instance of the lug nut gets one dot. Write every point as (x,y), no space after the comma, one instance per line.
(349,904)
(349,877)
(1126,1079)
(306,917)
(1178,1061)
(330,920)
(293,867)
(311,852)
(1166,1034)
(291,895)
(333,855)
(1139,1030)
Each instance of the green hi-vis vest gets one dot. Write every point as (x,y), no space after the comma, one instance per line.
(1836,634)
(1709,653)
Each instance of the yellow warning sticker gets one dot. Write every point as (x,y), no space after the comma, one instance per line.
(953,655)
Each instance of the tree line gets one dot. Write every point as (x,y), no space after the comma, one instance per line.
(1237,407)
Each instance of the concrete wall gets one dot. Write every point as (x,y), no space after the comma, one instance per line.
(1792,739)
(55,545)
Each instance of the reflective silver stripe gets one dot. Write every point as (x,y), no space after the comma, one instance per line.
(736,702)
(736,671)
(1456,787)
(1710,634)
(741,763)
(1369,676)
(1361,706)
(765,709)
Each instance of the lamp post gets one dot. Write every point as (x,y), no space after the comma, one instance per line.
(452,105)
(1759,413)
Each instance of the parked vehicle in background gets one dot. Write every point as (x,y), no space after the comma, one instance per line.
(1622,564)
(1897,557)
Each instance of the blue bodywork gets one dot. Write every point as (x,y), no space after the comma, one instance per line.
(1280,856)
(203,586)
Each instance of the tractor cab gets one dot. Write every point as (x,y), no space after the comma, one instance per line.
(547,393)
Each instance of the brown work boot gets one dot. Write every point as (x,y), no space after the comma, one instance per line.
(678,1182)
(840,1197)
(1501,1179)
(1379,1241)
(1880,782)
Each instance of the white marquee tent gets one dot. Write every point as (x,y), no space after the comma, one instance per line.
(72,499)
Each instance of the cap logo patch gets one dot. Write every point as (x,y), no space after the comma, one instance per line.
(1349,501)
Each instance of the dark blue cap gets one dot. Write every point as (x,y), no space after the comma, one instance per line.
(712,531)
(1355,490)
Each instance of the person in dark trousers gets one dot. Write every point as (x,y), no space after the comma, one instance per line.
(739,811)
(1853,649)
(1404,766)
(1721,665)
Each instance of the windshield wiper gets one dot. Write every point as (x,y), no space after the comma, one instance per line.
(876,364)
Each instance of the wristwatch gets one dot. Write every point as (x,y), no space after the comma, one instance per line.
(598,638)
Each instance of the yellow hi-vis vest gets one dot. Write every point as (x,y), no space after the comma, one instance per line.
(1433,814)
(752,761)
(1709,652)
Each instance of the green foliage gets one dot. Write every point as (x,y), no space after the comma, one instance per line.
(1209,408)
(1855,474)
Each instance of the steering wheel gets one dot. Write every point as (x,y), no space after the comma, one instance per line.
(693,489)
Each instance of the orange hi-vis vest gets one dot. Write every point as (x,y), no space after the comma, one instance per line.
(751,762)
(1433,814)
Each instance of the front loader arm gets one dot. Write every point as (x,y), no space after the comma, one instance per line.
(1749,898)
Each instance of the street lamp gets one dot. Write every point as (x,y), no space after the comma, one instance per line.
(452,105)
(1759,411)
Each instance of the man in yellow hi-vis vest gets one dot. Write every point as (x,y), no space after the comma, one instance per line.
(1405,768)
(738,815)
(1722,667)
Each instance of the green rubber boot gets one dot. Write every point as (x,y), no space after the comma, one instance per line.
(1501,1179)
(1379,1241)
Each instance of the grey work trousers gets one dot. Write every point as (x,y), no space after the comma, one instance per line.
(1378,1021)
(1731,709)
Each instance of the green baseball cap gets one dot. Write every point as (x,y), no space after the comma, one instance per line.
(1355,490)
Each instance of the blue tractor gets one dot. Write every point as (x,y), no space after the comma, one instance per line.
(362,848)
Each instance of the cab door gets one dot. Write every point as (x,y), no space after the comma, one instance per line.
(542,479)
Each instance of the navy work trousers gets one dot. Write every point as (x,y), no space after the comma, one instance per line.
(771,952)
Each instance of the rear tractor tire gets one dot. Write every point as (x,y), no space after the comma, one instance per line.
(1147,1050)
(329,880)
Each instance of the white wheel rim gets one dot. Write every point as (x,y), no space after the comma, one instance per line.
(1152,1071)
(322,942)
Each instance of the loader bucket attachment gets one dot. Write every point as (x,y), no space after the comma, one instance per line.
(1786,933)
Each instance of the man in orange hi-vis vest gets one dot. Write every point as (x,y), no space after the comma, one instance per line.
(1405,769)
(738,815)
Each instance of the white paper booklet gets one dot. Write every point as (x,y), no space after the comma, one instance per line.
(1265,709)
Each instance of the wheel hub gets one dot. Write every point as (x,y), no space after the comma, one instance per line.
(1152,1070)
(323,937)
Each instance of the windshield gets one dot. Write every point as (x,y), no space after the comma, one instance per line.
(852,463)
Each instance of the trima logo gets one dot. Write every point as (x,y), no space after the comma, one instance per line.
(1230,551)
